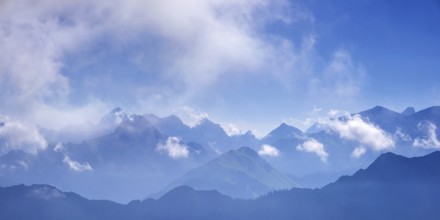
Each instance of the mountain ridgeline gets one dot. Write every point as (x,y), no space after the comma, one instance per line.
(238,173)
(392,187)
(125,157)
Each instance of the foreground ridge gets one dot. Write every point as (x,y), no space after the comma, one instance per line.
(392,187)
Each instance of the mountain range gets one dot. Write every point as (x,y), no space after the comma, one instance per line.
(392,187)
(124,157)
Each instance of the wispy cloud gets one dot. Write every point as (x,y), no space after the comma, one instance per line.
(341,77)
(401,135)
(231,129)
(430,141)
(315,147)
(190,115)
(75,165)
(173,147)
(358,152)
(267,150)
(195,46)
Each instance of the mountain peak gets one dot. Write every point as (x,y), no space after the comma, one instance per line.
(386,161)
(44,191)
(207,125)
(115,116)
(409,111)
(173,118)
(379,108)
(205,122)
(247,151)
(152,118)
(285,131)
(240,173)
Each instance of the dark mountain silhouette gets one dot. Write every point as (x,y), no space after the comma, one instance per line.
(392,187)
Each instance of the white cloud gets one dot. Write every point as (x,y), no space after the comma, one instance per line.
(403,136)
(75,165)
(356,129)
(173,148)
(431,140)
(19,136)
(205,35)
(315,147)
(358,152)
(201,38)
(231,129)
(58,147)
(333,113)
(190,116)
(267,150)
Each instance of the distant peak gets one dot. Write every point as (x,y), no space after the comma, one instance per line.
(379,108)
(284,125)
(173,118)
(206,121)
(285,129)
(409,111)
(249,133)
(242,152)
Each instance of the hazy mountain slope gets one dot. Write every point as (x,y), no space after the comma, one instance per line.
(238,173)
(393,187)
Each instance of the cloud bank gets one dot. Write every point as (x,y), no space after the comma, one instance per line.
(178,53)
(355,128)
(19,136)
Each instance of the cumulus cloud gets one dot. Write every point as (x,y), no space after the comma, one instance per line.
(358,152)
(267,150)
(431,141)
(20,136)
(75,165)
(173,148)
(355,128)
(315,147)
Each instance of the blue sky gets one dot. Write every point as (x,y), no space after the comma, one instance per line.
(246,64)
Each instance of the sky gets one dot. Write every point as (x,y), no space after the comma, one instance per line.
(247,64)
